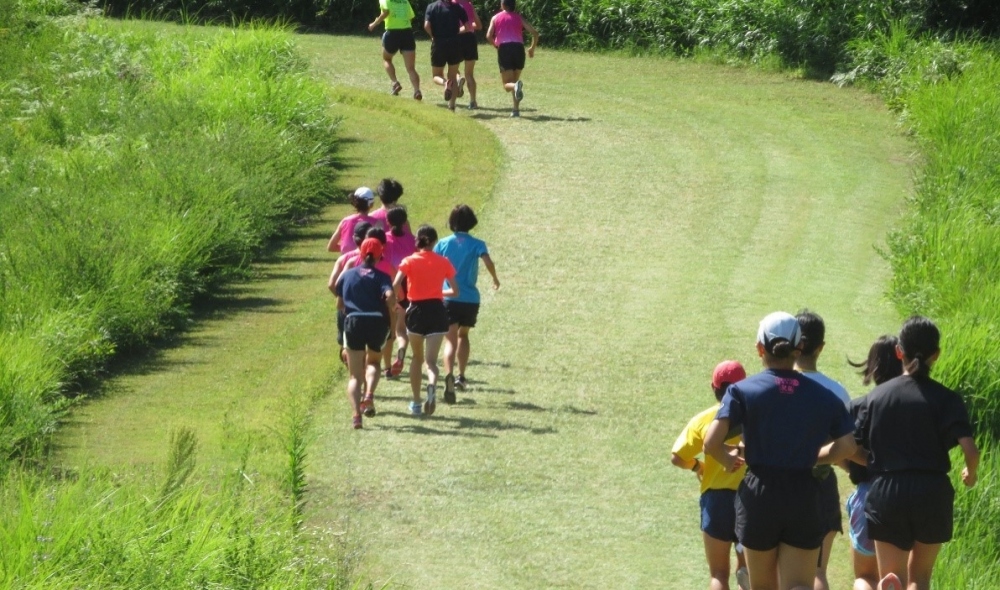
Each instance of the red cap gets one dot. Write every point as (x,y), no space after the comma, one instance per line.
(371,246)
(727,372)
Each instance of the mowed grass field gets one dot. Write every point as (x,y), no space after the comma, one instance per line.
(644,214)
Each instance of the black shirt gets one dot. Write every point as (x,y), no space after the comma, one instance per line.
(910,424)
(858,473)
(446,18)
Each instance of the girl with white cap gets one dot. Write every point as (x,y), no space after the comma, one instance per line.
(343,237)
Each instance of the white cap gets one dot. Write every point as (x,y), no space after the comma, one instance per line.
(365,193)
(778,326)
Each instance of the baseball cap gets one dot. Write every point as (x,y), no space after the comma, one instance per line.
(365,193)
(727,372)
(778,326)
(371,246)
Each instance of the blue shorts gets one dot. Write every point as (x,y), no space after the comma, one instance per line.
(858,524)
(718,514)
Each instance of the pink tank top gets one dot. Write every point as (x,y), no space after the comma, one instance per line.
(470,10)
(508,28)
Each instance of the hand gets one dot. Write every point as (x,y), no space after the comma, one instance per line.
(969,479)
(531,52)
(737,460)
(496,284)
(371,27)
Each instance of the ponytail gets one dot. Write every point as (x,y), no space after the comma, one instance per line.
(920,340)
(369,261)
(426,237)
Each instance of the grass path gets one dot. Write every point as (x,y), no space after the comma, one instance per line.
(647,214)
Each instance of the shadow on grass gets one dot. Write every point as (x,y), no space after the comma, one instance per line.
(458,426)
(498,364)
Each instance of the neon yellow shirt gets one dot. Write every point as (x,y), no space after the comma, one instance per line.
(400,14)
(689,445)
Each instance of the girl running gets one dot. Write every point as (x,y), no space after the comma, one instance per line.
(908,424)
(787,420)
(506,33)
(813,335)
(718,487)
(426,317)
(400,243)
(464,252)
(444,21)
(343,237)
(360,230)
(470,51)
(398,16)
(881,365)
(389,191)
(365,295)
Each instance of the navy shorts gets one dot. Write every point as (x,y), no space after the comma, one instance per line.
(779,506)
(365,332)
(469,45)
(829,502)
(394,40)
(718,514)
(908,506)
(461,313)
(510,56)
(447,51)
(427,317)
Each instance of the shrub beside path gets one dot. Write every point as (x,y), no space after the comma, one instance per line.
(647,213)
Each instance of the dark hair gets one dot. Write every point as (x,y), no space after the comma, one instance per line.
(779,348)
(361,205)
(720,391)
(426,236)
(369,261)
(920,340)
(389,190)
(462,219)
(361,232)
(813,331)
(882,363)
(396,216)
(376,232)
(510,5)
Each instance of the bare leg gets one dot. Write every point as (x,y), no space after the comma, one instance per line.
(402,340)
(463,349)
(416,362)
(389,68)
(356,372)
(717,554)
(410,61)
(763,567)
(433,342)
(450,348)
(470,80)
(387,347)
(372,372)
(892,559)
(796,567)
(921,565)
(865,571)
(453,84)
(820,582)
(438,74)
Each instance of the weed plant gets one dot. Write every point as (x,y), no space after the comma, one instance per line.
(136,171)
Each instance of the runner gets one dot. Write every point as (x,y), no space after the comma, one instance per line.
(398,17)
(506,33)
(365,295)
(908,424)
(718,488)
(813,335)
(881,365)
(470,51)
(443,21)
(400,243)
(464,253)
(426,317)
(787,420)
(360,230)
(343,237)
(389,192)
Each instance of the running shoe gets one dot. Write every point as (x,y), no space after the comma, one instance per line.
(519,91)
(461,87)
(461,383)
(743,578)
(417,95)
(368,406)
(473,106)
(447,90)
(449,389)
(515,114)
(890,582)
(388,373)
(415,408)
(396,88)
(397,367)
(431,402)
(357,423)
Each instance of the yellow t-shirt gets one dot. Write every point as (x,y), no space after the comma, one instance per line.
(400,14)
(689,445)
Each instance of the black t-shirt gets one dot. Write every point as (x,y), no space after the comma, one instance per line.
(857,473)
(910,424)
(446,18)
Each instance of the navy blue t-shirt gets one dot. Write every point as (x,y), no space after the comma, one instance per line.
(363,290)
(786,418)
(446,19)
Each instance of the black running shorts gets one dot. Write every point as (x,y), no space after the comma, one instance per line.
(510,56)
(340,327)
(469,45)
(463,314)
(395,40)
(365,331)
(779,506)
(447,51)
(908,506)
(829,503)
(427,317)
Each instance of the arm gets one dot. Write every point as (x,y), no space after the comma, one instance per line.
(334,244)
(715,446)
(390,300)
(839,449)
(378,20)
(427,27)
(338,269)
(971,452)
(691,465)
(397,284)
(534,37)
(492,270)
(477,25)
(491,33)
(452,290)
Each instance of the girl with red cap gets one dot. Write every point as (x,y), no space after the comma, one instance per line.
(365,295)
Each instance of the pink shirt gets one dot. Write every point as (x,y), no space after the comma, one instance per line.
(399,247)
(470,10)
(379,215)
(345,231)
(354,259)
(507,28)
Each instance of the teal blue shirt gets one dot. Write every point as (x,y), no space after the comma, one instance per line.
(464,252)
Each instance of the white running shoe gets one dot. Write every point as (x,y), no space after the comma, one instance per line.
(519,91)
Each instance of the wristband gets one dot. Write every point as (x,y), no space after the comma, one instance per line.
(697,464)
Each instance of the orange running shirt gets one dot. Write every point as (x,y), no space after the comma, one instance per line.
(425,274)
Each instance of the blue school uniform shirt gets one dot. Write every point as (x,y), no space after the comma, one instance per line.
(786,418)
(363,291)
(464,252)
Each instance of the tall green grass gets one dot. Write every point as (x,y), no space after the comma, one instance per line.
(137,170)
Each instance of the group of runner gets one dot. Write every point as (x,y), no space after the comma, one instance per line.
(771,439)
(423,289)
(453,27)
